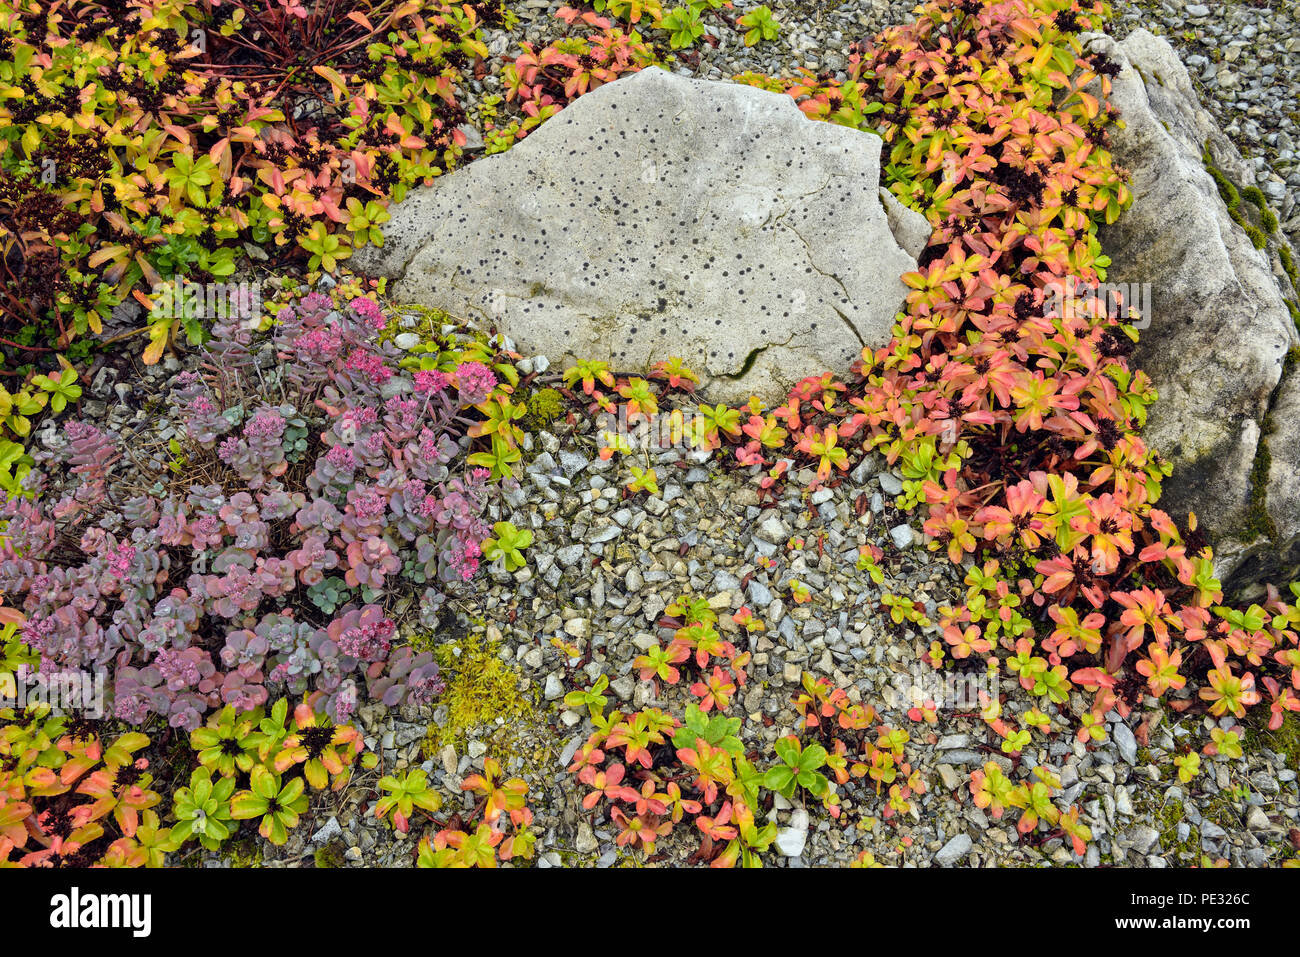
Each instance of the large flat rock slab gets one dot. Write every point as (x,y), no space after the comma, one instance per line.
(663,216)
(1219,328)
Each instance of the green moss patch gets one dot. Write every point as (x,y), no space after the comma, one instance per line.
(1268,219)
(544,407)
(481,687)
(1258,521)
(331,855)
(1232,199)
(1285,740)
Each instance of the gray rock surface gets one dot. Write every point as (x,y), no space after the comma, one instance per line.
(661,215)
(954,851)
(1219,328)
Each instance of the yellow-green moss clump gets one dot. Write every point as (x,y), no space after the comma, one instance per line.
(1232,199)
(331,855)
(429,323)
(481,688)
(245,852)
(544,407)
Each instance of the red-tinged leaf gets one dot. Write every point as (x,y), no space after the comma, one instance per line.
(361,18)
(182,134)
(1142,733)
(1090,105)
(158,335)
(1092,677)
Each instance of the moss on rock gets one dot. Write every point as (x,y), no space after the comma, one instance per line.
(1232,199)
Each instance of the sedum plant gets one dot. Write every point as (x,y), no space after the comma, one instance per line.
(263,569)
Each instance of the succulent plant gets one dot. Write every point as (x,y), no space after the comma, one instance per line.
(277,802)
(508,545)
(202,809)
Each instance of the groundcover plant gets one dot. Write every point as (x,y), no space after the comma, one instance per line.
(280,572)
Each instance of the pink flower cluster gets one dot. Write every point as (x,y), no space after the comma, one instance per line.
(77,430)
(430,447)
(430,382)
(368,642)
(429,507)
(341,457)
(404,412)
(36,631)
(320,344)
(178,669)
(368,310)
(368,503)
(202,405)
(264,425)
(369,365)
(475,381)
(464,560)
(423,690)
(316,302)
(228,450)
(120,559)
(132,709)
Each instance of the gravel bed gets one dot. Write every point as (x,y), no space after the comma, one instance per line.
(1242,57)
(602,569)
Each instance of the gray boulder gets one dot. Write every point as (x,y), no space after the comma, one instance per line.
(659,216)
(1219,329)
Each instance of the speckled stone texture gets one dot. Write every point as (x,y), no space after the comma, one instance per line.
(665,216)
(1219,329)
